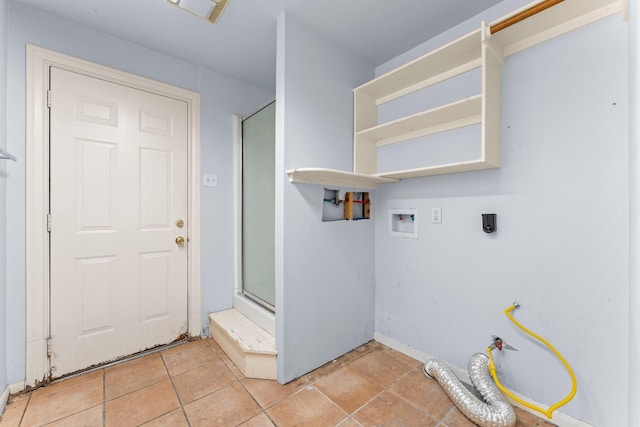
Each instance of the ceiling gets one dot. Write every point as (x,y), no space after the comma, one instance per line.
(242,43)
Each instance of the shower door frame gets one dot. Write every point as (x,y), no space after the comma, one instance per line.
(258,313)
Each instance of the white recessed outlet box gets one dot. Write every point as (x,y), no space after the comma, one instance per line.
(403,222)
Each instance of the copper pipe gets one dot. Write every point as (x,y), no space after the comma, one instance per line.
(546,4)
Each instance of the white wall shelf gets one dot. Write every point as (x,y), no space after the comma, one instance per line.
(451,116)
(436,66)
(337,177)
(473,165)
(478,49)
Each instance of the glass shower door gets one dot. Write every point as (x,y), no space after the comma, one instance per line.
(258,206)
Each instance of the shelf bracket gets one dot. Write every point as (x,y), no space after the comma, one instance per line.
(5,155)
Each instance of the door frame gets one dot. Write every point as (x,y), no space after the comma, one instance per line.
(37,196)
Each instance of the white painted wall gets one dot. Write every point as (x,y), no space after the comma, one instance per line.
(562,246)
(3,197)
(221,96)
(324,271)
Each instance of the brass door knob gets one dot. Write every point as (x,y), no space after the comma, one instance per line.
(180,241)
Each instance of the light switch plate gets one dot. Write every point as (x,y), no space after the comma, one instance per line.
(209,180)
(436,215)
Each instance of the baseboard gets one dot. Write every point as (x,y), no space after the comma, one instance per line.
(418,355)
(559,418)
(4,398)
(16,387)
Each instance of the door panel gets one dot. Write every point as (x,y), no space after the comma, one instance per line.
(155,270)
(118,184)
(97,279)
(155,194)
(96,172)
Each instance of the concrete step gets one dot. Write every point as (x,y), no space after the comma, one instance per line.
(249,346)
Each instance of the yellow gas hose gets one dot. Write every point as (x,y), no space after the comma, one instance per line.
(492,369)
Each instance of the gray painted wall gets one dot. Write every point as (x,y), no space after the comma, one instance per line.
(324,271)
(3,196)
(221,96)
(634,216)
(562,246)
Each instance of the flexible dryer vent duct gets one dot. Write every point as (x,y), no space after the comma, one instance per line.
(495,412)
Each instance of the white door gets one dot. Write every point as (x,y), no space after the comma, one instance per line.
(118,191)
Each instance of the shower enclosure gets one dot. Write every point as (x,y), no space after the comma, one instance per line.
(258,207)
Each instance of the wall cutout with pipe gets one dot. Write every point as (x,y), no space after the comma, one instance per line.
(332,206)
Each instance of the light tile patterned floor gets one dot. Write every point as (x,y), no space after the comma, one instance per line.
(195,384)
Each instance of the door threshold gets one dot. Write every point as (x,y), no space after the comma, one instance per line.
(182,339)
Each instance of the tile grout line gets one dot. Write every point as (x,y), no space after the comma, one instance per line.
(244,386)
(410,403)
(388,388)
(236,379)
(350,418)
(62,417)
(347,364)
(24,411)
(173,386)
(262,409)
(368,401)
(134,390)
(104,397)
(444,417)
(332,402)
(385,388)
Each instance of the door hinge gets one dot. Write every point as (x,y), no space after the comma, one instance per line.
(49,222)
(49,348)
(49,98)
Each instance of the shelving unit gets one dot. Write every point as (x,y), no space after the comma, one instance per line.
(484,48)
(460,56)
